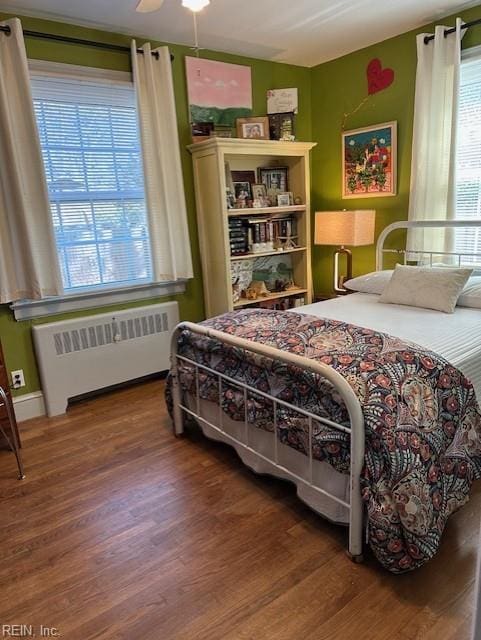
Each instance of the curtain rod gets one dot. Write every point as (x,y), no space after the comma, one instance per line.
(87,43)
(466,25)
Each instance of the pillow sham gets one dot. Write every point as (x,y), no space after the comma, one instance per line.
(425,287)
(370,282)
(471,294)
(376,282)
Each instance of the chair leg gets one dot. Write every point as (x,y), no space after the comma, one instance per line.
(13,443)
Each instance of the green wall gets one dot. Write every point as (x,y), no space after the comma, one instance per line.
(16,336)
(326,92)
(338,87)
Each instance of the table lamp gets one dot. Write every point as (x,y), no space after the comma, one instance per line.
(341,228)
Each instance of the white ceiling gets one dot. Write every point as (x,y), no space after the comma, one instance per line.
(304,32)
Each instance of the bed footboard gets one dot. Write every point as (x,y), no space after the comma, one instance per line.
(305,485)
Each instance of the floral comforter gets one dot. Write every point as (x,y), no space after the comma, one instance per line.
(422,421)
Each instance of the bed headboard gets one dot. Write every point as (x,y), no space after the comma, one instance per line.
(424,224)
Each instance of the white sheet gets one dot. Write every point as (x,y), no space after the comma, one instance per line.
(456,337)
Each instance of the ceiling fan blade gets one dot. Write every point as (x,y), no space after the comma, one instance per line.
(145,6)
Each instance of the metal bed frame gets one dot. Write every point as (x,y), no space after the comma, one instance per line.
(306,488)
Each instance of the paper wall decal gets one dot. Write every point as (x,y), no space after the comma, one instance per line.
(377,77)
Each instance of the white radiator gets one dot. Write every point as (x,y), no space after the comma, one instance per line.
(93,352)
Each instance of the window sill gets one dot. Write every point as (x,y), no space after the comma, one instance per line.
(26,310)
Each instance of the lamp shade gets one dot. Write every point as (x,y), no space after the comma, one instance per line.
(340,228)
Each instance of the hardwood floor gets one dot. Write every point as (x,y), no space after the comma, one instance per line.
(122,531)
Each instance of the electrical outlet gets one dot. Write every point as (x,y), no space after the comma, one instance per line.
(18,379)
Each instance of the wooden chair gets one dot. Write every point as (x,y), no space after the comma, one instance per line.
(8,423)
(11,437)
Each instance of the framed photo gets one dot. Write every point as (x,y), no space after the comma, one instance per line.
(259,191)
(284,199)
(275,179)
(281,126)
(253,128)
(369,159)
(242,190)
(244,176)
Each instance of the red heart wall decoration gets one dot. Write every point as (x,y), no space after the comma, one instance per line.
(377,77)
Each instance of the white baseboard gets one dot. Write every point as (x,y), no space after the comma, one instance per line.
(30,405)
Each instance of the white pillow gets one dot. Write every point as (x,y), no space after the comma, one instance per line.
(425,287)
(471,294)
(376,281)
(370,282)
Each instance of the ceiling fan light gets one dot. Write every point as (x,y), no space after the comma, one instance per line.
(195,5)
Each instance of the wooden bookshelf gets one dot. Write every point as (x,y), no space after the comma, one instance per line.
(272,211)
(209,162)
(274,296)
(263,254)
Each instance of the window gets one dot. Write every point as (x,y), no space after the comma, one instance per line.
(468,167)
(90,142)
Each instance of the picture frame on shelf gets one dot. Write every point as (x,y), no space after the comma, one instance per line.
(282,126)
(275,179)
(284,199)
(242,191)
(254,128)
(369,161)
(259,191)
(244,176)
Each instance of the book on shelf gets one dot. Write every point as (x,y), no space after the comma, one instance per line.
(257,234)
(238,237)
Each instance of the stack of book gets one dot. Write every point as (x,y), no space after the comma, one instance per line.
(285,227)
(238,237)
(260,235)
(270,234)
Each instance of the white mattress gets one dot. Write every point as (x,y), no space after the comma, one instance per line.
(454,336)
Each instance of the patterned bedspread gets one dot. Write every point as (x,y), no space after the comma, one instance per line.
(422,421)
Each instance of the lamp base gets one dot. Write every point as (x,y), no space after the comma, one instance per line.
(339,279)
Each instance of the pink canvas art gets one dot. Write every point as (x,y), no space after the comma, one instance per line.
(218,92)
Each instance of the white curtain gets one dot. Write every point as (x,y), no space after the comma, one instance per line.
(433,166)
(28,255)
(164,186)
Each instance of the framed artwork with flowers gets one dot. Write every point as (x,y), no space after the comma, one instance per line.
(369,159)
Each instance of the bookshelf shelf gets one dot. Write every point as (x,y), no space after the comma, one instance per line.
(264,254)
(217,229)
(273,296)
(272,211)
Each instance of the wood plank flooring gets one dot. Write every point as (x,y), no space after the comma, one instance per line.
(122,531)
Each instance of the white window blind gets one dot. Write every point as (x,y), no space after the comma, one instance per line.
(91,149)
(468,160)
